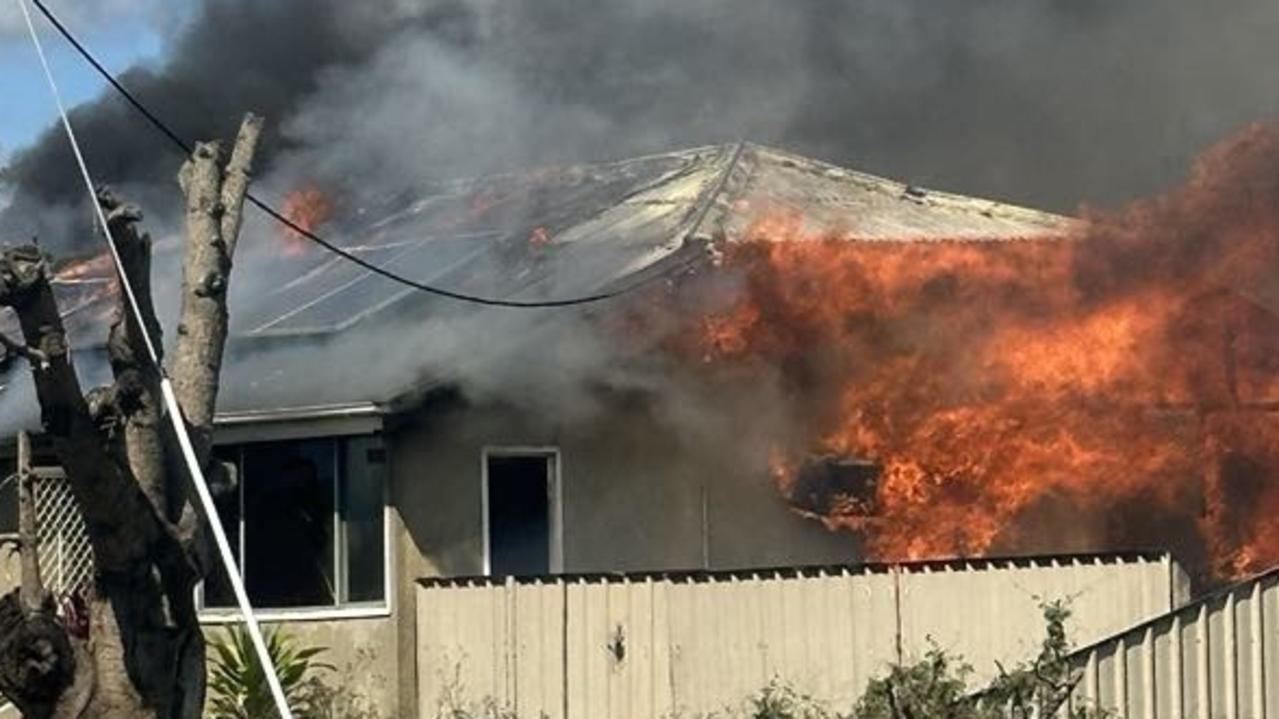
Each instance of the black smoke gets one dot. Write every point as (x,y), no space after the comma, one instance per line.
(1048,103)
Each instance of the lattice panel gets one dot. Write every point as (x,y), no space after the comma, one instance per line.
(66,559)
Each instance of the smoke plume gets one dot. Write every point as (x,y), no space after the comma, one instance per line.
(1025,102)
(1053,104)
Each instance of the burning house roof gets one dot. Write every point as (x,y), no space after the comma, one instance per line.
(565,231)
(1111,386)
(541,234)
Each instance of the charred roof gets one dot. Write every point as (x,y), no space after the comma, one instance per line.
(534,235)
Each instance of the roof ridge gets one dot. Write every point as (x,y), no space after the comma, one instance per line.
(946,199)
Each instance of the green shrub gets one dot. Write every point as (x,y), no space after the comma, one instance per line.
(238,687)
(934,687)
(779,700)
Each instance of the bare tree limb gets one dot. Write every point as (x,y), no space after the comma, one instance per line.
(214,203)
(135,396)
(116,512)
(32,355)
(32,591)
(235,182)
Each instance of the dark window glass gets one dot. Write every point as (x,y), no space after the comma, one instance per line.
(289,491)
(289,539)
(363,478)
(226,495)
(519,514)
(8,503)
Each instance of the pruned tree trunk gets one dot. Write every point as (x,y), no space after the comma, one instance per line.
(144,653)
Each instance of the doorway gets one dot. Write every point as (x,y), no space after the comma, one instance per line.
(521,511)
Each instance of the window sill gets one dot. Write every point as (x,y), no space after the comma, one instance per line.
(300,614)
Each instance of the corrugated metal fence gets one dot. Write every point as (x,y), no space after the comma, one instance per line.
(662,645)
(1215,659)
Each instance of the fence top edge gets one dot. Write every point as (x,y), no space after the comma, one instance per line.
(1050,561)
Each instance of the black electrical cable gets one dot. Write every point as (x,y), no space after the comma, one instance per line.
(262,205)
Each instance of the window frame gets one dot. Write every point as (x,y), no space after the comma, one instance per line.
(340,609)
(555,499)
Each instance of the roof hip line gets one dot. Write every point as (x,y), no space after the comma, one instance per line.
(720,184)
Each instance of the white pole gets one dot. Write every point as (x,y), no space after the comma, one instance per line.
(170,400)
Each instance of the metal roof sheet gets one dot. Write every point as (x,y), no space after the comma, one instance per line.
(541,234)
(857,206)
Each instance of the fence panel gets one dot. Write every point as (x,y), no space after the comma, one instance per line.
(685,644)
(1001,601)
(1216,658)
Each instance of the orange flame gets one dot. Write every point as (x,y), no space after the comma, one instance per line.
(1114,388)
(307,207)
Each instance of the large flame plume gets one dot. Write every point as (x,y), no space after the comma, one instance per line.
(1117,387)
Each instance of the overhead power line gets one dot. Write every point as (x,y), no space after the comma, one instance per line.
(187,147)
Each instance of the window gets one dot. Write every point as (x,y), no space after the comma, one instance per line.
(307,521)
(521,511)
(8,502)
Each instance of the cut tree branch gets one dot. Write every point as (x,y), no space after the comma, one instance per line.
(215,202)
(37,358)
(32,591)
(135,397)
(235,182)
(119,519)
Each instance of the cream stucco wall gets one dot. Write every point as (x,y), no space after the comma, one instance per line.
(636,496)
(362,653)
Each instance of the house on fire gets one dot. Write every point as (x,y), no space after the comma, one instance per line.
(370,456)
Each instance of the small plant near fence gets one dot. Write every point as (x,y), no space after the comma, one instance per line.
(238,687)
(779,700)
(455,704)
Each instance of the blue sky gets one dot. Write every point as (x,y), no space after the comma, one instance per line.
(120,32)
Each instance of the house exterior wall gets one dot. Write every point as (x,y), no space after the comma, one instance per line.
(635,496)
(361,652)
(1217,657)
(657,645)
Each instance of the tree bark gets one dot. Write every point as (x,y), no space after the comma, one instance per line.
(145,654)
(31,591)
(215,200)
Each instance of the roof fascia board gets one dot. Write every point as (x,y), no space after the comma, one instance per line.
(297,423)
